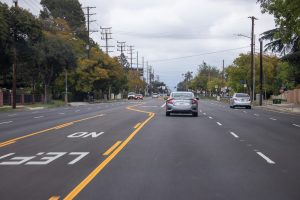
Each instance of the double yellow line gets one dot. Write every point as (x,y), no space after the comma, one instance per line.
(14,140)
(115,152)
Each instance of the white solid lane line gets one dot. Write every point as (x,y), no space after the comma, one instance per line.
(163,105)
(38,117)
(12,115)
(6,122)
(77,110)
(296,125)
(266,158)
(234,135)
(219,123)
(61,113)
(273,119)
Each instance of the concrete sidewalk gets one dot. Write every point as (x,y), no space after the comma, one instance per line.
(285,107)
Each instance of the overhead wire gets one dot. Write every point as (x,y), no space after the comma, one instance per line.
(196,55)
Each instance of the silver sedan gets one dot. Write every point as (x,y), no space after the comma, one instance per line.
(240,100)
(182,102)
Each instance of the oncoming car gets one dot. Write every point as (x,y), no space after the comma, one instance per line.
(131,95)
(154,95)
(138,97)
(182,102)
(240,100)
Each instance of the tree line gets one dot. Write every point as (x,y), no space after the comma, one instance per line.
(280,73)
(53,46)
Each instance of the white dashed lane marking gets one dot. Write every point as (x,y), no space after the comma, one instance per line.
(234,135)
(265,157)
(38,117)
(8,122)
(273,119)
(296,125)
(210,117)
(219,123)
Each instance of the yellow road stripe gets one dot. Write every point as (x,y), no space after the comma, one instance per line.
(11,141)
(6,143)
(100,167)
(54,198)
(137,125)
(112,148)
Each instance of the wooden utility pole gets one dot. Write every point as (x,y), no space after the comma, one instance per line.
(88,14)
(106,35)
(261,72)
(14,83)
(252,60)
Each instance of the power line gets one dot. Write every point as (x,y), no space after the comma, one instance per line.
(196,55)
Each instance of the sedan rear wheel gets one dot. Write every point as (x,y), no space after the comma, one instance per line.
(167,113)
(195,114)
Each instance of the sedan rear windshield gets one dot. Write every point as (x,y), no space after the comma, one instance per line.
(183,95)
(241,95)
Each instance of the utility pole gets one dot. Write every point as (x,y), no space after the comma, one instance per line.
(223,73)
(252,59)
(121,46)
(88,14)
(261,72)
(66,85)
(106,35)
(130,53)
(147,75)
(143,63)
(14,81)
(137,61)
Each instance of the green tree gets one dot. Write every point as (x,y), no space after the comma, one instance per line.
(68,10)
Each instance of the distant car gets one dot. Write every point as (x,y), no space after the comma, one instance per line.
(131,95)
(138,97)
(154,95)
(240,100)
(182,102)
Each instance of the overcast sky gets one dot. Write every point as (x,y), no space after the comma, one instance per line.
(167,29)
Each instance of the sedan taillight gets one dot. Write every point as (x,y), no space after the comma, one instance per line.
(194,101)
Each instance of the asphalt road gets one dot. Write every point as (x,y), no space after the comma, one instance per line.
(130,150)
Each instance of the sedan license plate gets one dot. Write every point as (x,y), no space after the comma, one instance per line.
(181,104)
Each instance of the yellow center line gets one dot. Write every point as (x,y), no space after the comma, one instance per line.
(11,141)
(6,143)
(102,165)
(54,198)
(137,125)
(112,148)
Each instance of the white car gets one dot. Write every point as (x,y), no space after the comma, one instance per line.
(240,100)
(131,95)
(154,95)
